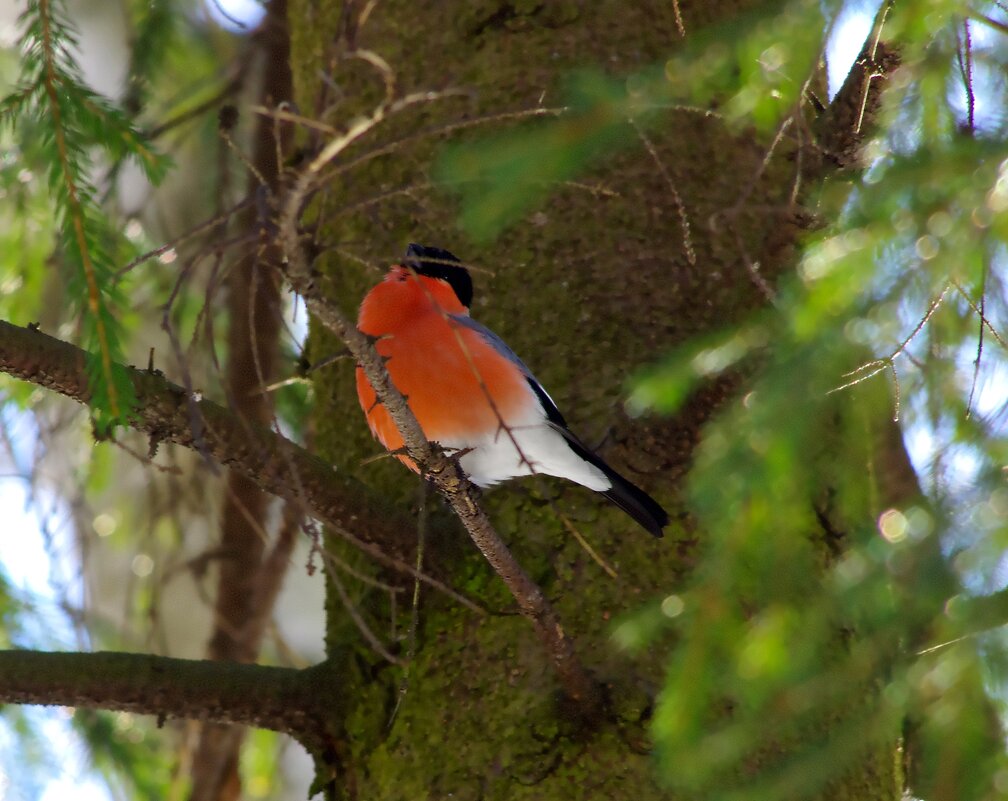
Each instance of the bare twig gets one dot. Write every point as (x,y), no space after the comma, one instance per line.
(840,129)
(294,200)
(202,228)
(585,545)
(678,19)
(229,17)
(980,313)
(990,22)
(888,362)
(358,619)
(980,337)
(285,115)
(964,57)
(381,556)
(441,130)
(684,223)
(415,610)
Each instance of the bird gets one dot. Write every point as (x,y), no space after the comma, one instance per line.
(468,390)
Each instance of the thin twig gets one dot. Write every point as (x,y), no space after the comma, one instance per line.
(678,19)
(284,115)
(876,38)
(379,555)
(684,223)
(964,57)
(876,366)
(338,564)
(242,157)
(358,619)
(441,130)
(990,22)
(232,19)
(415,610)
(585,545)
(980,313)
(980,338)
(753,268)
(202,228)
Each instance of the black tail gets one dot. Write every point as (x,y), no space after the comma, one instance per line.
(628,497)
(636,503)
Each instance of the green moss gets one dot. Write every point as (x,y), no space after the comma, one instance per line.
(586,290)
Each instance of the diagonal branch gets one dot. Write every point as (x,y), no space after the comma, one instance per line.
(272,462)
(296,702)
(445,473)
(461,495)
(163,411)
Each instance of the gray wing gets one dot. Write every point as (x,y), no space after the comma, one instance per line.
(499,345)
(626,495)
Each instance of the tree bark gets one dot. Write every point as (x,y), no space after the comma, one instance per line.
(477,715)
(585,304)
(281,699)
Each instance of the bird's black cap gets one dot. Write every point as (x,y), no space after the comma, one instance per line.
(438,263)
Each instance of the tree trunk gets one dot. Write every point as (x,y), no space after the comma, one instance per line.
(597,283)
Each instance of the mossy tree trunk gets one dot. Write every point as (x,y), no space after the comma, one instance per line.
(590,287)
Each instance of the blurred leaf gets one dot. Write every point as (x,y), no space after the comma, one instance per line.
(666,387)
(501,177)
(127,748)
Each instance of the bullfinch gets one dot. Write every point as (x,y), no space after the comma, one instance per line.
(468,390)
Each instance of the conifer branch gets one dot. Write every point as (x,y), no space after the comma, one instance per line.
(75,122)
(74,205)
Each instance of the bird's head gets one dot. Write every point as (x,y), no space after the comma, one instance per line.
(441,265)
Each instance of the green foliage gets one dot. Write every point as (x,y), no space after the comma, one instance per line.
(828,617)
(11,619)
(259,761)
(71,124)
(502,177)
(756,68)
(816,630)
(127,748)
(156,29)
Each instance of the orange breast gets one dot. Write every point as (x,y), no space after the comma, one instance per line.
(457,385)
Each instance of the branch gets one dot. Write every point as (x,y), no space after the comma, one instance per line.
(444,472)
(281,699)
(272,462)
(461,495)
(841,129)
